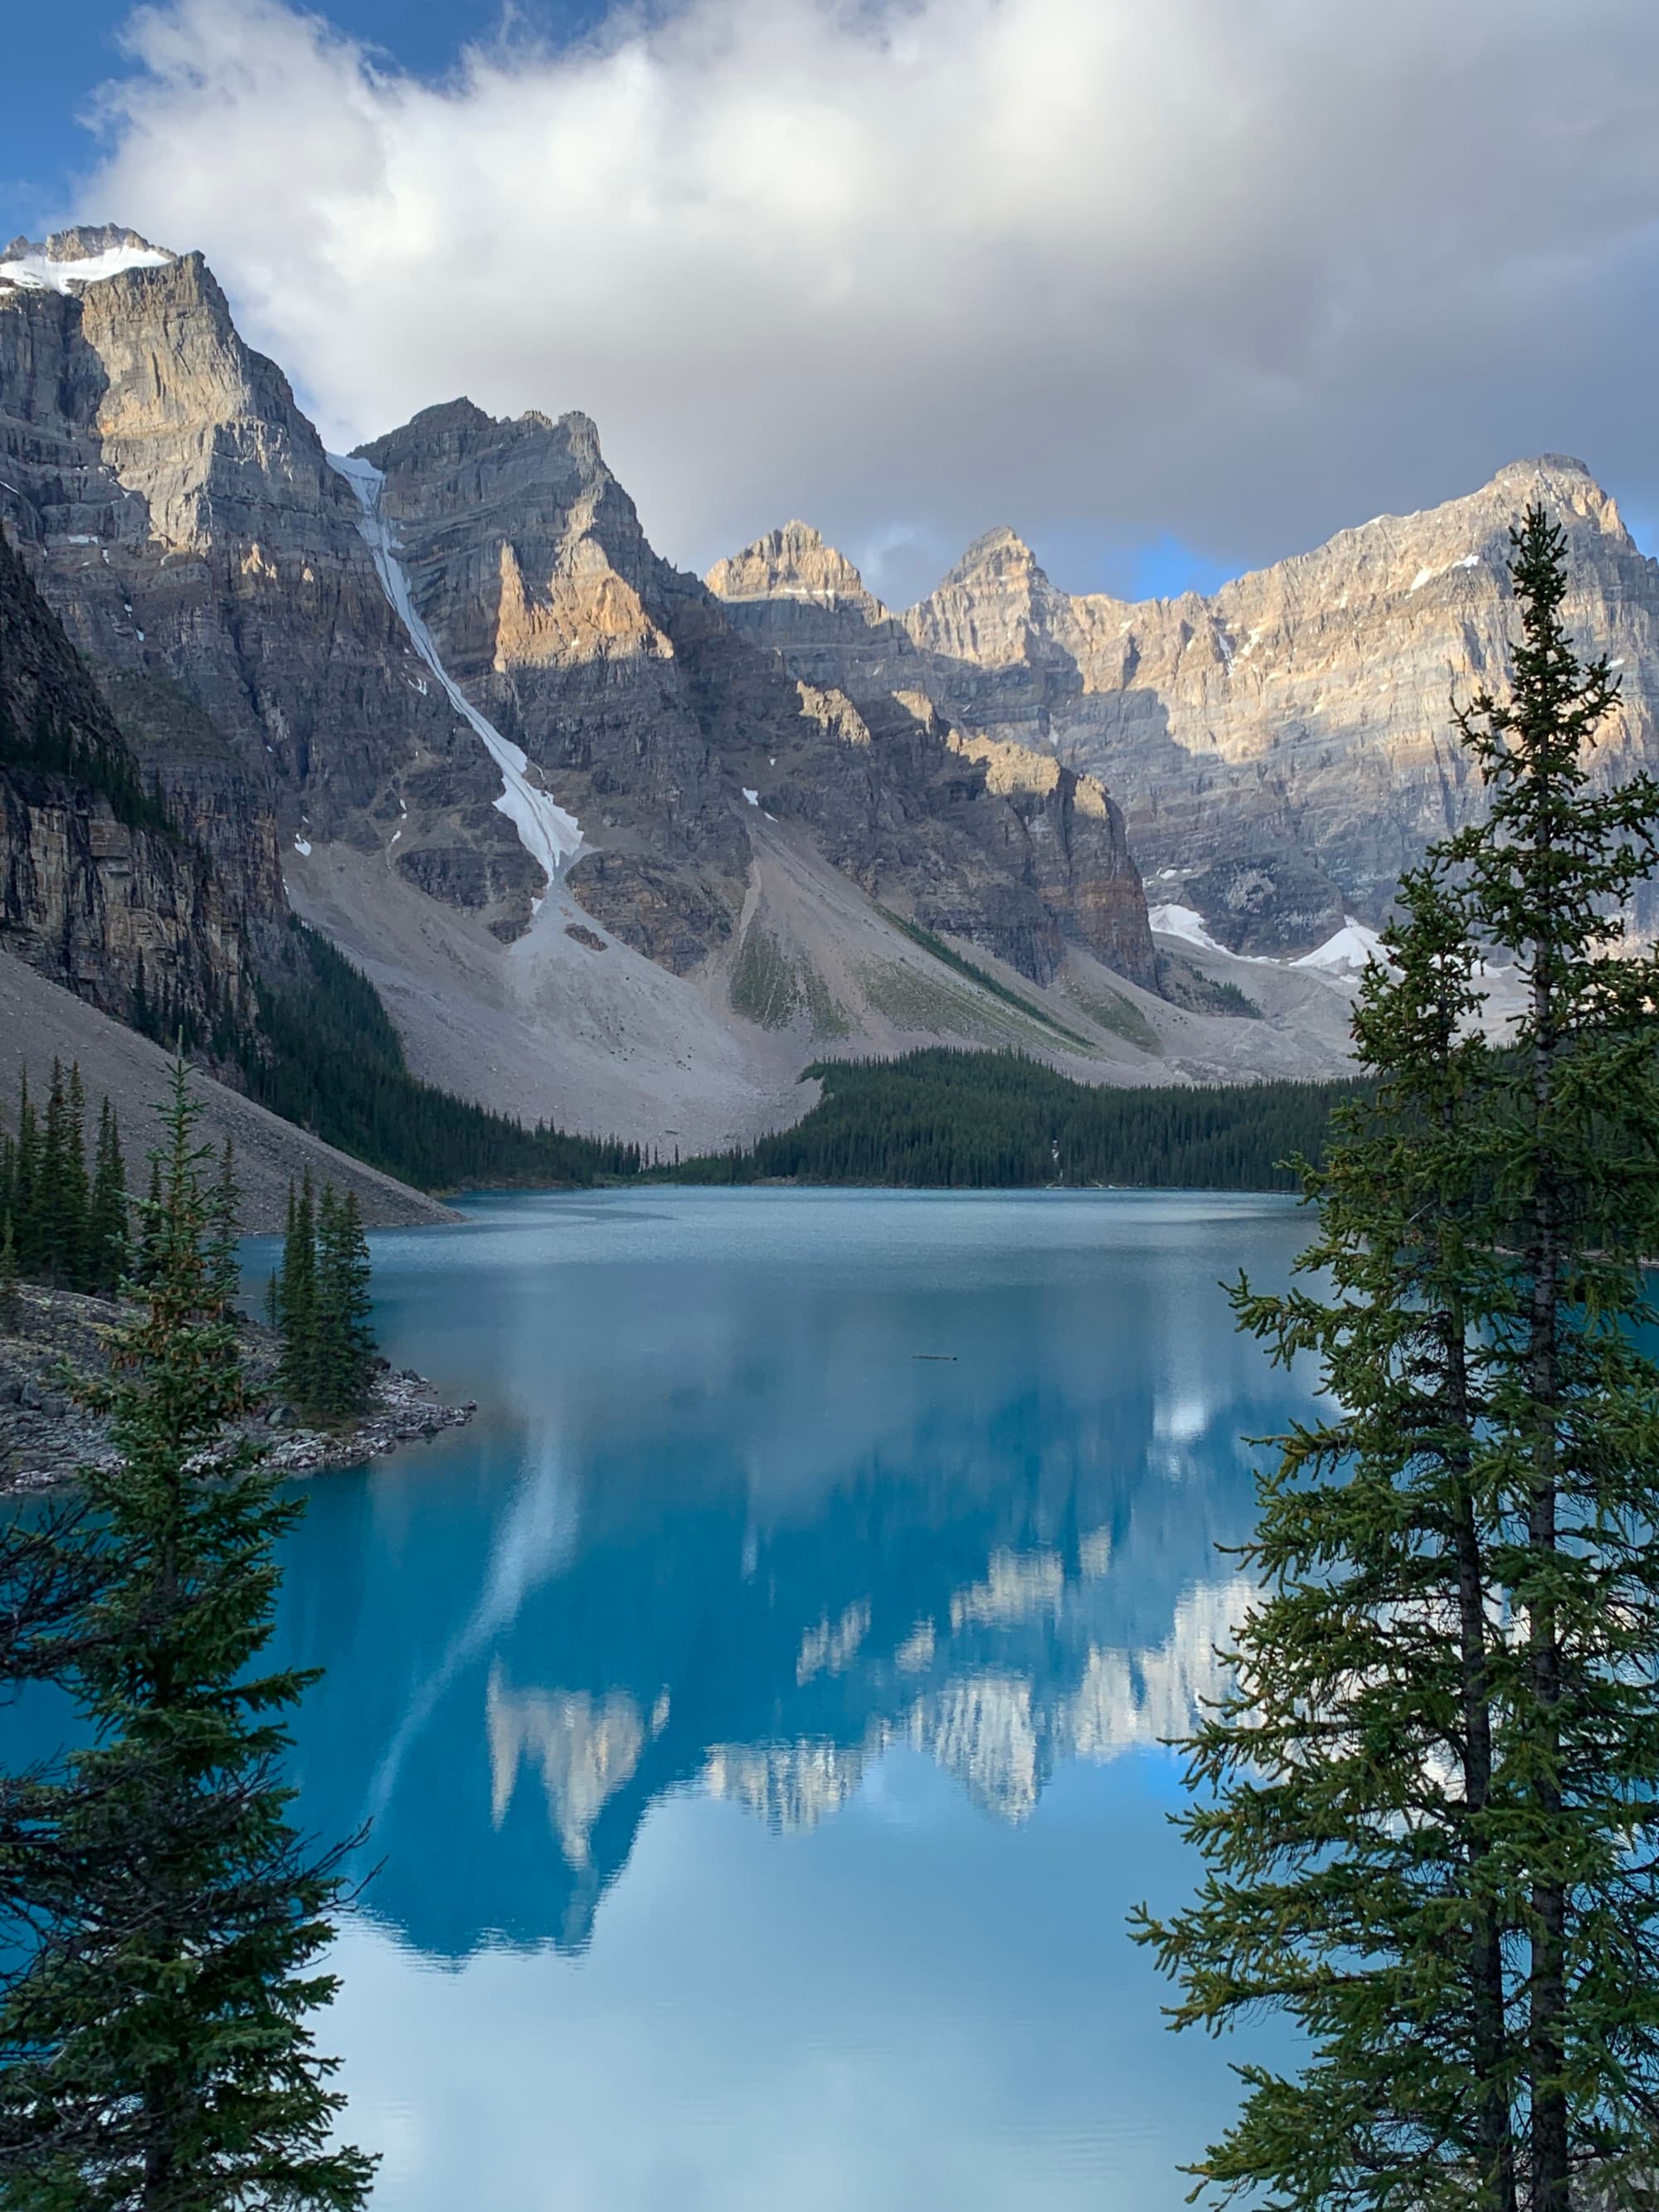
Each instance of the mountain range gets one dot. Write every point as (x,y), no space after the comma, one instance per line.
(624,849)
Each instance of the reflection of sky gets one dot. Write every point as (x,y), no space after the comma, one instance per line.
(704,1655)
(911,2007)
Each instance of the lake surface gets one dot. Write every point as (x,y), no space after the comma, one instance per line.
(759,1721)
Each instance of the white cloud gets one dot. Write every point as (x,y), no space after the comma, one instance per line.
(1241,269)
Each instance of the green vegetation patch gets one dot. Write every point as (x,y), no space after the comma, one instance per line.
(828,1016)
(1120,1018)
(945,1118)
(951,958)
(763,987)
(916,1001)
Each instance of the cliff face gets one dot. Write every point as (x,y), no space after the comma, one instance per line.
(1296,722)
(664,728)
(96,892)
(436,651)
(179,514)
(1281,750)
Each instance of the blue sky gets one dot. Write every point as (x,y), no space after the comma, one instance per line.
(63,50)
(1175,288)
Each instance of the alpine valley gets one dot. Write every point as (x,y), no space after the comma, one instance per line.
(623,851)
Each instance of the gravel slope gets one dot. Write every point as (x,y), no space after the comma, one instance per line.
(39,1021)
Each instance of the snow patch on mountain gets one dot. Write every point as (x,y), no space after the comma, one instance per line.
(1353,947)
(38,272)
(1186,922)
(551,836)
(1349,950)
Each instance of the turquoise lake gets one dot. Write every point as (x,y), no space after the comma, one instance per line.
(757,1710)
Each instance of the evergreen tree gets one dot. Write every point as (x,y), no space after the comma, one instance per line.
(355,1299)
(107,1209)
(76,1186)
(297,1295)
(146,1246)
(226,1273)
(11,1303)
(1432,1803)
(158,2047)
(59,1197)
(25,1180)
(345,1348)
(328,1352)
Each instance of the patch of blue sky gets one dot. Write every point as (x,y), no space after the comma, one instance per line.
(64,52)
(1168,566)
(1080,558)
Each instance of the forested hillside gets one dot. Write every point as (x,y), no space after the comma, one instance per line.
(988,1121)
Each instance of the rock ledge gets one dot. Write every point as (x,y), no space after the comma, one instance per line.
(46,1437)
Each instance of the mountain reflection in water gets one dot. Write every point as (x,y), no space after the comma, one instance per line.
(717,1529)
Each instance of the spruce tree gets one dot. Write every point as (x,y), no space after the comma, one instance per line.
(11,1303)
(1430,1805)
(147,1244)
(158,2054)
(327,1376)
(345,1349)
(353,1295)
(226,1202)
(297,1296)
(60,1190)
(107,1209)
(25,1179)
(76,1186)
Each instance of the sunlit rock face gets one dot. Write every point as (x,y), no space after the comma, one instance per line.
(1302,711)
(991,842)
(666,728)
(809,603)
(1285,746)
(527,561)
(178,514)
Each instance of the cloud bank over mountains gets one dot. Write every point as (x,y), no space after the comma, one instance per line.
(1240,270)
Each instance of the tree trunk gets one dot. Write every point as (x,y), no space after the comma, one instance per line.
(1490,2033)
(1551,2170)
(1489,2023)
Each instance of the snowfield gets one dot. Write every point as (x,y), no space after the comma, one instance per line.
(1186,921)
(1344,953)
(36,273)
(1353,947)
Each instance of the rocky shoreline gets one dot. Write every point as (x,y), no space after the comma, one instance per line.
(46,1437)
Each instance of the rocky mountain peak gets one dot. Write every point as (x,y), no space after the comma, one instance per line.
(794,563)
(450,427)
(1567,486)
(1000,553)
(86,254)
(459,430)
(996,608)
(581,434)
